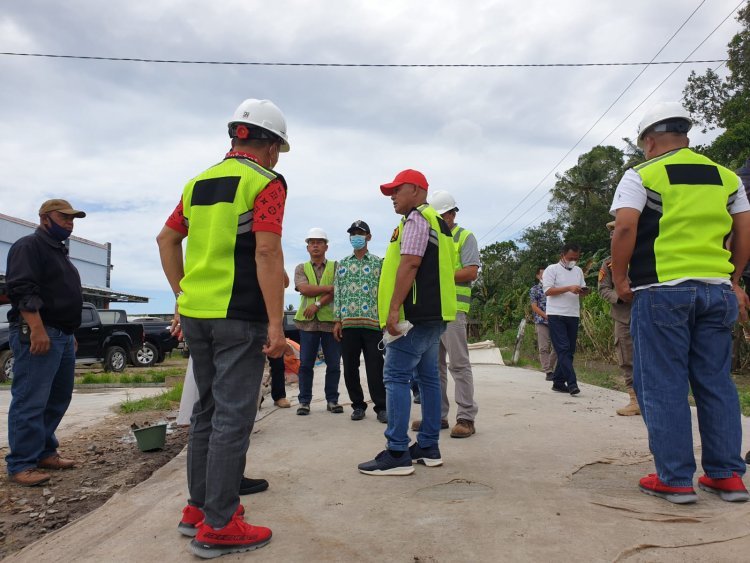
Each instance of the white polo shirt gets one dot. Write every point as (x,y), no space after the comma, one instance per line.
(566,304)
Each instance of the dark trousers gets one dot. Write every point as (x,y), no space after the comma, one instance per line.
(564,331)
(309,343)
(365,341)
(278,383)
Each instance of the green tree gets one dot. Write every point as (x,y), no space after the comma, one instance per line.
(725,103)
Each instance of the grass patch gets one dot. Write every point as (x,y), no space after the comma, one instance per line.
(166,400)
(91,378)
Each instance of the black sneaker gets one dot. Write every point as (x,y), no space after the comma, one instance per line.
(550,376)
(383,416)
(358,414)
(560,388)
(334,408)
(303,409)
(573,389)
(385,464)
(252,486)
(426,456)
(747,457)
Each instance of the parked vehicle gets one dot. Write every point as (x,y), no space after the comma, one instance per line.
(158,340)
(108,343)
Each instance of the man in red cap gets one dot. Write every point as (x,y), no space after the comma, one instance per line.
(416,298)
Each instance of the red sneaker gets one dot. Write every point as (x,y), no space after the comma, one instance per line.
(235,537)
(730,489)
(192,518)
(651,485)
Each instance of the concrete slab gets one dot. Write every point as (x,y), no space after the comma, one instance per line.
(547,477)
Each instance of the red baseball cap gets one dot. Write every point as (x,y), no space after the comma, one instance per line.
(405,177)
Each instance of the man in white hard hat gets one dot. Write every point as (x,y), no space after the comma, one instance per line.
(673,214)
(315,321)
(416,298)
(229,290)
(453,342)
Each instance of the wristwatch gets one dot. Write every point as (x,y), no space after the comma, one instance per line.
(318,305)
(177,295)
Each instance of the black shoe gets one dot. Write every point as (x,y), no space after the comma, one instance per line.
(417,398)
(426,456)
(549,377)
(335,408)
(560,388)
(747,457)
(303,409)
(252,486)
(573,389)
(358,414)
(383,416)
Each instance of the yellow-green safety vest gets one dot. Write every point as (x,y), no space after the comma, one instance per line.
(325,313)
(220,279)
(463,289)
(433,295)
(685,222)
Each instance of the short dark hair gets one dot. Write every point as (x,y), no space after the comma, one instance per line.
(568,246)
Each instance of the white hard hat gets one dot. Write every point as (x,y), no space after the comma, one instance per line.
(665,116)
(316,232)
(264,114)
(442,201)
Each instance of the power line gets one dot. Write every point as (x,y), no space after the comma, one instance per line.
(351,65)
(538,185)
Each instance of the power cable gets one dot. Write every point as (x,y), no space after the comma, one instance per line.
(348,65)
(538,185)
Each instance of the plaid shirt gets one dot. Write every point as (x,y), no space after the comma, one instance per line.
(536,293)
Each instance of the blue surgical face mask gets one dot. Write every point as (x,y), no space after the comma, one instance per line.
(358,241)
(57,232)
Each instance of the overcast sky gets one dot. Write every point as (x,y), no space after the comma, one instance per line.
(120,139)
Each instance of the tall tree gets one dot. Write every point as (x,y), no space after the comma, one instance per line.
(724,103)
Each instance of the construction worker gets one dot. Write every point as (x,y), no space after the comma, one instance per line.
(416,298)
(453,342)
(315,321)
(229,290)
(620,312)
(673,215)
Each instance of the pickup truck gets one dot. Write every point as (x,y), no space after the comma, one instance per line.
(158,340)
(108,343)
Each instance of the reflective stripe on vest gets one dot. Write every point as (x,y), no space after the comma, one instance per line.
(685,222)
(325,313)
(433,295)
(220,278)
(463,289)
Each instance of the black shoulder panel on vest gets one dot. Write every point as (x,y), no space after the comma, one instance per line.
(215,190)
(693,174)
(282,180)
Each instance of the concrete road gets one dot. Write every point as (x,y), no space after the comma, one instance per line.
(547,477)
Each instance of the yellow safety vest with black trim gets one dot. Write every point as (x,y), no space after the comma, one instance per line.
(221,279)
(463,289)
(325,313)
(433,294)
(685,222)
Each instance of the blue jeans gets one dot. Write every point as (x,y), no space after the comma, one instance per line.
(413,356)
(41,392)
(682,340)
(563,331)
(309,341)
(228,365)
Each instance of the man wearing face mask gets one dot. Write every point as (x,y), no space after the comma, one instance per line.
(230,290)
(355,311)
(45,294)
(563,284)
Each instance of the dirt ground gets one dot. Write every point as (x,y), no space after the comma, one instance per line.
(109,462)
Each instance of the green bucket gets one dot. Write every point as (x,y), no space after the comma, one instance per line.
(151,438)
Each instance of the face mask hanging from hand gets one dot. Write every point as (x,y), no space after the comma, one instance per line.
(358,241)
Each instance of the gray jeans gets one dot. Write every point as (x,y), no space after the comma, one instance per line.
(454,343)
(228,365)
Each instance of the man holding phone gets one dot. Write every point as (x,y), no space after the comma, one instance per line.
(563,284)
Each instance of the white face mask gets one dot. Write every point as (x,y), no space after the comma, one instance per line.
(572,264)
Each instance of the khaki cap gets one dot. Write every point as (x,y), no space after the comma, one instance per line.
(60,205)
